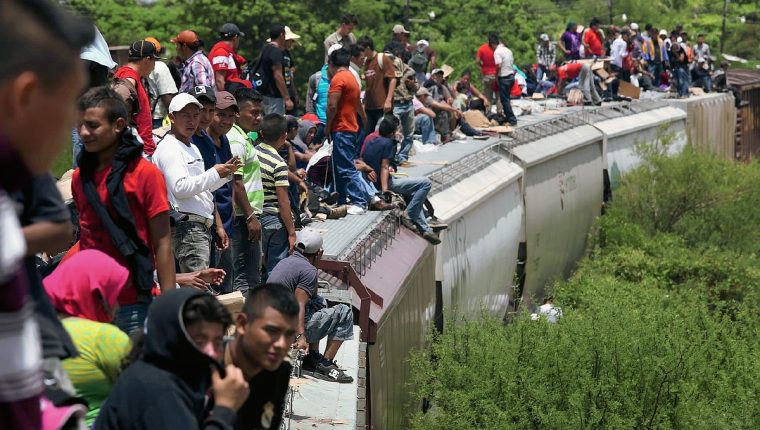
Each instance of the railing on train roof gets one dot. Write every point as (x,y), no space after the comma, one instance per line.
(353,263)
(371,247)
(451,174)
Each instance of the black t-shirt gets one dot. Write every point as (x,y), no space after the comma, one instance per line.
(271,56)
(377,150)
(43,203)
(264,406)
(287,67)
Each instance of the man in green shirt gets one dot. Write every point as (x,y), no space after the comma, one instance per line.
(249,191)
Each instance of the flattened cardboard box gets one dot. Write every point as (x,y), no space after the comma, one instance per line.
(629,90)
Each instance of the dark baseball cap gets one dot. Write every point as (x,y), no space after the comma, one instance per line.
(202,92)
(143,49)
(275,30)
(230,29)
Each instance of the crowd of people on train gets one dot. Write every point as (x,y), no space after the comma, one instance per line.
(205,174)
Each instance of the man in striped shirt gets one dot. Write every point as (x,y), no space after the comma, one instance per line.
(279,232)
(196,68)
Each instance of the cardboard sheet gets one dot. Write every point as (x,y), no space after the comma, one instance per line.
(629,90)
(232,301)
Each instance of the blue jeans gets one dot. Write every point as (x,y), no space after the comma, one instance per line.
(368,187)
(415,190)
(540,71)
(344,171)
(424,124)
(405,113)
(655,69)
(505,88)
(360,136)
(705,82)
(131,317)
(246,257)
(681,76)
(274,238)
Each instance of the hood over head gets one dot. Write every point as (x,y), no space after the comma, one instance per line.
(87,285)
(303,129)
(167,343)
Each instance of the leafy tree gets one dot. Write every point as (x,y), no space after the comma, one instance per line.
(659,327)
(456,32)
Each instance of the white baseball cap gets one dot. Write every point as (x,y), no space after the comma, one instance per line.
(308,241)
(634,26)
(181,100)
(423,42)
(333,48)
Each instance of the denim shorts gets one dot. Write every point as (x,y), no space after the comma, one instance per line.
(334,323)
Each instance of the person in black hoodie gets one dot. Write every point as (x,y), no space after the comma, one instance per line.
(166,387)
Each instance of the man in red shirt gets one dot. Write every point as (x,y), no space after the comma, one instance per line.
(122,202)
(343,106)
(592,40)
(227,64)
(487,64)
(142,60)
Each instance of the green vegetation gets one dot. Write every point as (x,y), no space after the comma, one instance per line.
(458,29)
(660,326)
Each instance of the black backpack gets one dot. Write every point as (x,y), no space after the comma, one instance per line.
(419,60)
(253,71)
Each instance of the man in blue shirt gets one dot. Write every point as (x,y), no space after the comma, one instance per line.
(214,146)
(378,154)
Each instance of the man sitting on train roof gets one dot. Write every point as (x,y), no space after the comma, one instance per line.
(317,320)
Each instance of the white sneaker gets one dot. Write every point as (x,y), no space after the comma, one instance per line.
(356,210)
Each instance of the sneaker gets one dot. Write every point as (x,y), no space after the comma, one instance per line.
(406,163)
(356,210)
(335,363)
(431,237)
(408,223)
(436,224)
(331,373)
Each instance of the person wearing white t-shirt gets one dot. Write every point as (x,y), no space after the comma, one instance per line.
(506,74)
(618,52)
(162,88)
(189,185)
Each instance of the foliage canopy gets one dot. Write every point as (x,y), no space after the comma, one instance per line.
(660,325)
(458,29)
